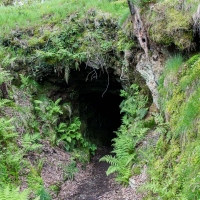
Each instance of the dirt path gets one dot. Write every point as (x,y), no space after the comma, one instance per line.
(90,183)
(98,183)
(97,186)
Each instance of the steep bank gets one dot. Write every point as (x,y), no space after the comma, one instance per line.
(69,74)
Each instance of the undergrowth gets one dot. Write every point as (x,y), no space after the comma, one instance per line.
(130,133)
(8,193)
(38,120)
(53,37)
(174,165)
(170,22)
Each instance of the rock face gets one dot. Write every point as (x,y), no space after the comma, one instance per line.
(150,69)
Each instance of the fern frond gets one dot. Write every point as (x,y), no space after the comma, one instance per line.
(38,102)
(30,142)
(109,159)
(111,170)
(5,102)
(4,76)
(130,158)
(9,193)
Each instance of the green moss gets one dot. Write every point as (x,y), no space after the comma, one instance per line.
(192,75)
(176,157)
(170,24)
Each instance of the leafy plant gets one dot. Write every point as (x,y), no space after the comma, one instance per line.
(35,182)
(9,193)
(129,134)
(7,133)
(81,155)
(43,194)
(11,165)
(10,155)
(71,135)
(28,84)
(55,188)
(122,162)
(30,142)
(4,76)
(48,114)
(176,155)
(70,170)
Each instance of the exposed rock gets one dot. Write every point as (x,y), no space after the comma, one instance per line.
(150,70)
(137,180)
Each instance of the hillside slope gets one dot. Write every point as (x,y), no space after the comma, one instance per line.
(56,55)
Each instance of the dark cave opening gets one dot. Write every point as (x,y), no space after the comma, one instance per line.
(93,96)
(98,102)
(101,116)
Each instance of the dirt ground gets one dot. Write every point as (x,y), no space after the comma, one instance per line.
(90,183)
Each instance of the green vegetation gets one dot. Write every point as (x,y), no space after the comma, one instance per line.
(130,133)
(70,170)
(53,38)
(38,120)
(8,193)
(72,138)
(170,22)
(176,157)
(59,36)
(52,12)
(38,39)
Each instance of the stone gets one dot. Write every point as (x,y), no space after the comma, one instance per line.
(132,183)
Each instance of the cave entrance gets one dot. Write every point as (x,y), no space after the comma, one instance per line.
(99,100)
(101,116)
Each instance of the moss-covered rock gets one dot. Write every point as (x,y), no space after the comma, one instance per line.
(170,23)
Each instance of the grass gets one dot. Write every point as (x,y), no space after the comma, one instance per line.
(169,78)
(51,11)
(172,64)
(191,78)
(124,17)
(177,159)
(189,114)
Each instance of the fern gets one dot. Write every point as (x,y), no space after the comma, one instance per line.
(129,134)
(71,135)
(7,133)
(9,193)
(4,76)
(5,102)
(109,159)
(30,142)
(47,114)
